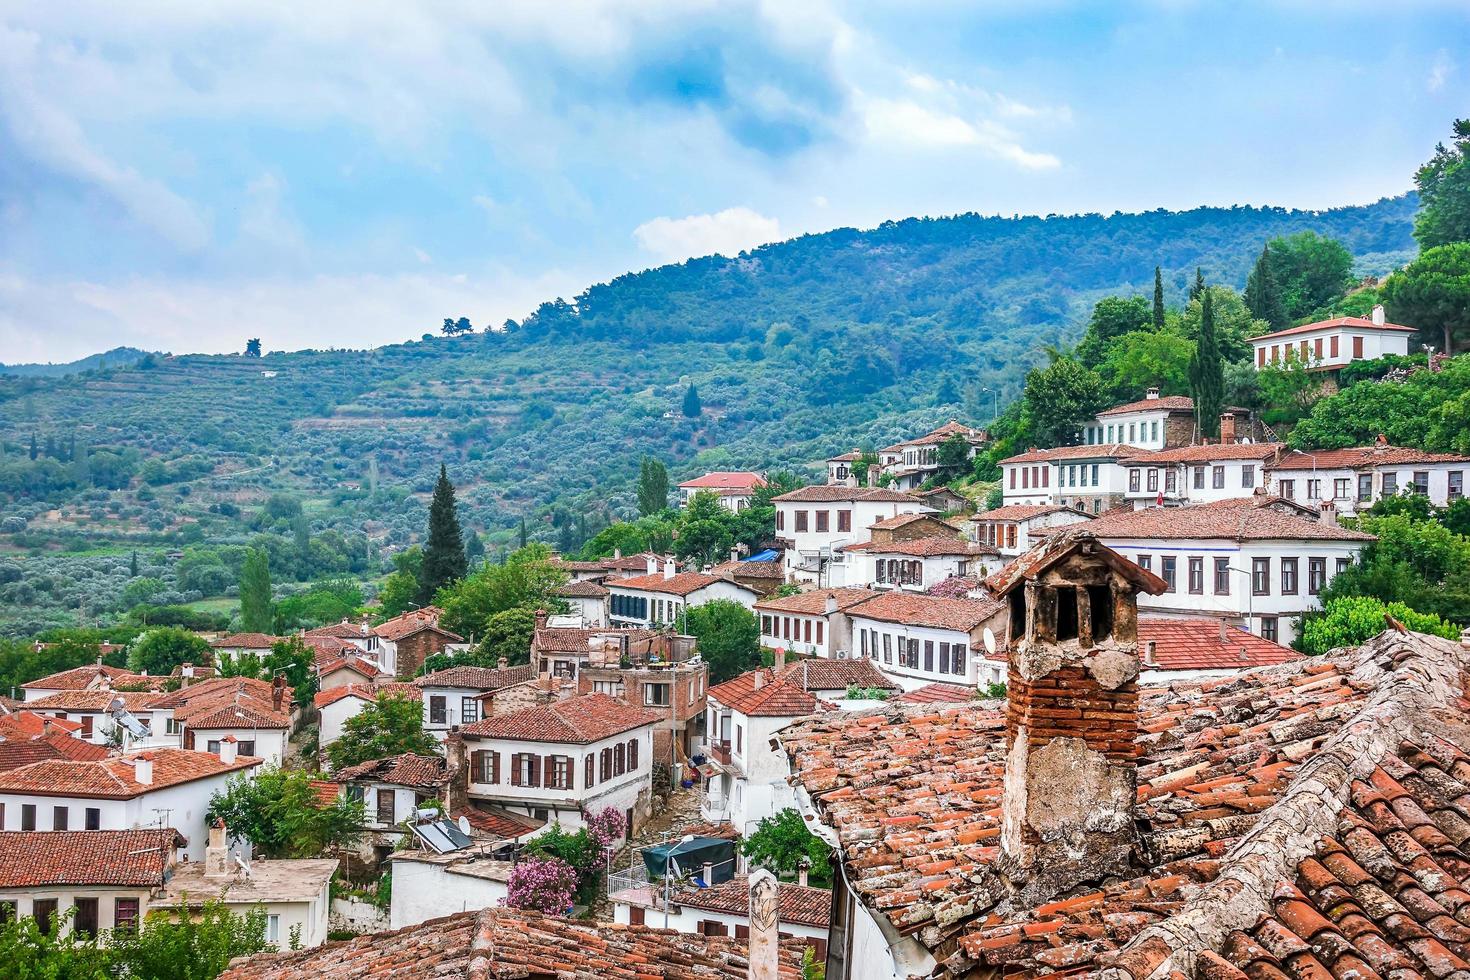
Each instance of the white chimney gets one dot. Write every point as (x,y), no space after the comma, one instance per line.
(229,749)
(1150,654)
(651,563)
(669,568)
(217,853)
(801,875)
(764,926)
(830,606)
(1378,315)
(143,769)
(759,680)
(1152,394)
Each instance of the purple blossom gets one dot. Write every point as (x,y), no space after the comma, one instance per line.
(542,885)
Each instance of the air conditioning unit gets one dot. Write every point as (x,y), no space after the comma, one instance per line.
(841,654)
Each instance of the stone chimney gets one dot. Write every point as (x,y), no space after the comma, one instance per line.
(217,853)
(456,772)
(1378,315)
(801,874)
(143,768)
(1380,441)
(874,471)
(278,692)
(764,926)
(759,680)
(1071,715)
(1227,428)
(734,554)
(229,750)
(617,553)
(540,619)
(779,661)
(1151,394)
(503,663)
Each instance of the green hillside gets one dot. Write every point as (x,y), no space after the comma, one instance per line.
(117,357)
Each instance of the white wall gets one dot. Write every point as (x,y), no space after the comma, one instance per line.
(1145,428)
(334,716)
(910,678)
(1376,344)
(809,543)
(1401,478)
(423,891)
(66,897)
(270,743)
(454,708)
(664,608)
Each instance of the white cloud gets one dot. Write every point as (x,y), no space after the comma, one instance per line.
(727,232)
(1440,71)
(905,124)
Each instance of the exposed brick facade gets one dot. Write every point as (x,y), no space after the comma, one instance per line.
(1070,703)
(415,648)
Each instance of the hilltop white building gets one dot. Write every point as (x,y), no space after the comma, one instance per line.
(816,522)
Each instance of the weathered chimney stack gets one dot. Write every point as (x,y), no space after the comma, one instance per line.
(217,853)
(759,680)
(143,769)
(278,692)
(1227,428)
(1151,394)
(1378,315)
(669,569)
(830,606)
(540,619)
(801,874)
(764,926)
(229,750)
(651,564)
(874,471)
(779,662)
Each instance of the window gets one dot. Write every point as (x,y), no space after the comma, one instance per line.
(125,914)
(620,759)
(93,818)
(43,910)
(85,922)
(1288,576)
(959,655)
(1222,576)
(1357,347)
(469,710)
(739,738)
(1046,475)
(1153,481)
(929,655)
(385,806)
(1166,566)
(273,928)
(247,747)
(800,522)
(844,520)
(1146,562)
(438,714)
(1261,576)
(1365,487)
(780,520)
(1217,475)
(1421,482)
(1132,432)
(7,911)
(1011,536)
(1340,488)
(558,772)
(1317,348)
(1268,628)
(1171,480)
(822,519)
(1154,428)
(1013,479)
(60,817)
(1314,489)
(656,695)
(1133,480)
(1316,575)
(1248,476)
(525,769)
(485,766)
(1288,489)
(86,726)
(212,746)
(1196,576)
(589,771)
(1094,474)
(887,649)
(1199,477)
(1260,357)
(28,816)
(1457,484)
(1342,565)
(1390,484)
(632,754)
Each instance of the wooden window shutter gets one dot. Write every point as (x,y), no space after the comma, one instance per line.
(495,767)
(590,773)
(632,753)
(553,778)
(535,770)
(480,765)
(515,769)
(606,771)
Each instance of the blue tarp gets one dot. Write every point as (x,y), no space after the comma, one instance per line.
(767,555)
(692,856)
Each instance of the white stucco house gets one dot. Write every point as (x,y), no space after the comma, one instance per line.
(1350,480)
(919,564)
(1201,474)
(802,911)
(659,597)
(921,639)
(734,489)
(912,462)
(427,885)
(392,788)
(1153,422)
(1327,345)
(237,645)
(588,602)
(812,623)
(1009,528)
(815,524)
(1089,478)
(452,696)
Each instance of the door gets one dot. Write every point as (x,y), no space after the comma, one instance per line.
(85,923)
(385,806)
(635,915)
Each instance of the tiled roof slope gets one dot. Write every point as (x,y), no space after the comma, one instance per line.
(367,692)
(507,944)
(400,770)
(925,610)
(582,590)
(822,674)
(1195,644)
(828,493)
(776,697)
(1358,458)
(1356,322)
(1239,519)
(81,678)
(114,778)
(1229,450)
(814,602)
(1241,781)
(682,583)
(726,480)
(17,752)
(938,693)
(931,547)
(800,904)
(1111,450)
(1171,403)
(246,641)
(478,678)
(1025,512)
(117,858)
(577,720)
(574,639)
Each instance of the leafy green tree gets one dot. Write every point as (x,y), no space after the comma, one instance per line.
(1311,271)
(1158,309)
(141,590)
(653,487)
(474,549)
(1233,322)
(508,634)
(728,637)
(392,725)
(444,552)
(133,566)
(59,953)
(1349,621)
(1207,372)
(783,843)
(1444,193)
(952,458)
(252,347)
(401,589)
(528,579)
(197,944)
(255,593)
(160,650)
(1432,294)
(1427,410)
(279,812)
(1421,563)
(866,460)
(1138,361)
(1263,292)
(331,602)
(1289,389)
(1059,399)
(704,529)
(692,408)
(1112,317)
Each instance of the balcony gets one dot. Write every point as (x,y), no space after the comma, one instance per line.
(720,752)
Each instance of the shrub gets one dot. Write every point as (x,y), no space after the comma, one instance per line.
(1351,620)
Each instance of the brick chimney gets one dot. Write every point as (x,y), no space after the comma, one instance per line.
(1227,428)
(764,926)
(456,772)
(278,692)
(540,619)
(779,662)
(1071,715)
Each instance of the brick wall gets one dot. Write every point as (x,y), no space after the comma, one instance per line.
(1070,703)
(415,648)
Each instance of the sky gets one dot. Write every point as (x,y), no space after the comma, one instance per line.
(182,176)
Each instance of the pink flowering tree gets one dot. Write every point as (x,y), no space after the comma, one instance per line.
(953,587)
(605,827)
(542,885)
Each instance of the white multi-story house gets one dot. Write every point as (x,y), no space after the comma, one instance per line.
(1091,478)
(1331,344)
(921,639)
(810,623)
(1153,422)
(566,760)
(1349,480)
(723,909)
(588,601)
(126,719)
(919,564)
(89,677)
(912,462)
(816,522)
(452,696)
(155,787)
(1200,474)
(657,599)
(1010,529)
(1258,562)
(842,469)
(237,645)
(735,489)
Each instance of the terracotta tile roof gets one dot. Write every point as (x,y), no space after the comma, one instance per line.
(1113,450)
(823,674)
(214,688)
(939,435)
(399,770)
(1195,644)
(750,569)
(577,720)
(1025,512)
(825,493)
(572,565)
(777,697)
(17,752)
(582,590)
(1056,546)
(505,944)
(938,693)
(81,678)
(572,639)
(93,700)
(847,457)
(355,664)
(412,622)
(478,678)
(744,480)
(212,703)
(962,615)
(1171,403)
(116,858)
(246,714)
(345,630)
(29,724)
(327,792)
(814,603)
(334,694)
(898,521)
(113,778)
(247,641)
(1361,458)
(631,563)
(798,904)
(499,823)
(329,647)
(1241,519)
(931,547)
(1355,322)
(683,583)
(1206,454)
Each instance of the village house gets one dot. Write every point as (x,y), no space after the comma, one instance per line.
(257,713)
(760,572)
(919,564)
(1259,562)
(237,645)
(110,877)
(359,635)
(1203,474)
(406,641)
(723,909)
(1090,478)
(1350,480)
(429,885)
(920,639)
(1009,528)
(351,666)
(842,469)
(815,523)
(452,696)
(812,623)
(735,490)
(125,719)
(1329,345)
(122,792)
(944,500)
(913,462)
(561,761)
(657,598)
(294,895)
(335,706)
(89,677)
(391,790)
(588,602)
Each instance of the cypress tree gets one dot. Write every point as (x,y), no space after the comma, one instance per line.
(692,406)
(523,536)
(34,450)
(444,553)
(1263,293)
(1198,288)
(255,593)
(1158,298)
(653,487)
(1207,372)
(133,566)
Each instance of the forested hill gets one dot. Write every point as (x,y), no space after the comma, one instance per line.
(117,357)
(797,350)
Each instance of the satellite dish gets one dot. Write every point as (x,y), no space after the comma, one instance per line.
(464,825)
(989,640)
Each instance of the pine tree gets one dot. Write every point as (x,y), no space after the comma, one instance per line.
(1263,293)
(692,407)
(653,487)
(1199,284)
(444,552)
(1158,298)
(1207,372)
(255,593)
